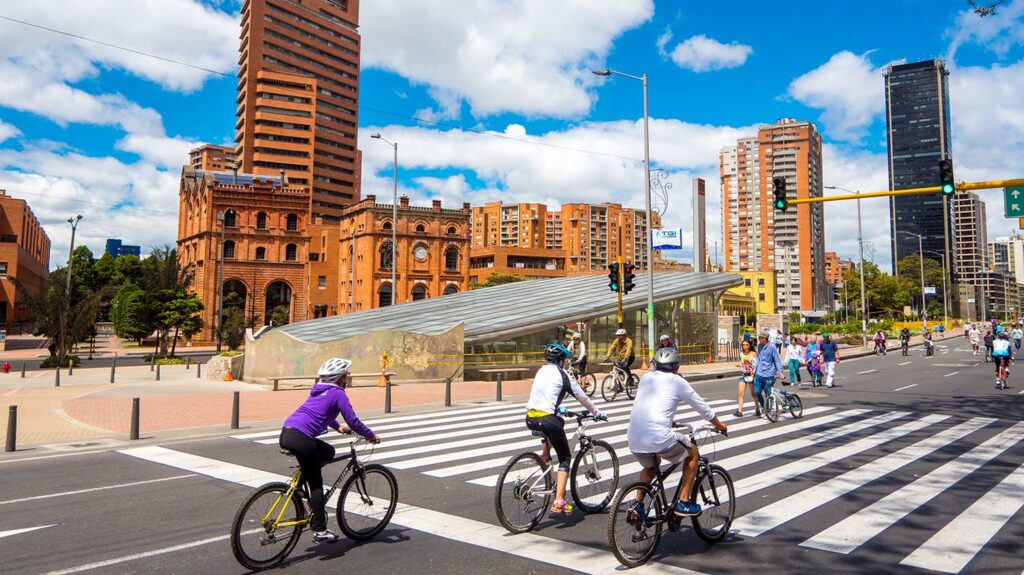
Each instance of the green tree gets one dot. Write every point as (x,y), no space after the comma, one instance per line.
(130,312)
(885,294)
(497,279)
(179,311)
(279,316)
(910,274)
(127,269)
(233,330)
(166,283)
(64,321)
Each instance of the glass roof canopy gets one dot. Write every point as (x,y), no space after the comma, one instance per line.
(509,310)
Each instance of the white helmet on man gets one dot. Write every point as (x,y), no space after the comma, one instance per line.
(333,369)
(620,332)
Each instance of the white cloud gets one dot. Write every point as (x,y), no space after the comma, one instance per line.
(531,57)
(863,171)
(7,131)
(663,41)
(163,151)
(703,54)
(849,90)
(998,32)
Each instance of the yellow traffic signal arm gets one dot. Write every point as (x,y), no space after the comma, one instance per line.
(961,187)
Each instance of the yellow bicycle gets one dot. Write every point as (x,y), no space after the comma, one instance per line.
(267,526)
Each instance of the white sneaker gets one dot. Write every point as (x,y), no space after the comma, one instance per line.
(325,536)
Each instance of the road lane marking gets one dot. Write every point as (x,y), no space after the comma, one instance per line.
(495,538)
(905,363)
(781,511)
(953,547)
(905,387)
(94,489)
(143,555)
(951,374)
(859,528)
(13,532)
(868,371)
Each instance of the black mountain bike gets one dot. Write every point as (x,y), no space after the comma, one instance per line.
(267,526)
(905,347)
(634,537)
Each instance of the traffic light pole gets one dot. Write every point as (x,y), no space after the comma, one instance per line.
(619,292)
(961,187)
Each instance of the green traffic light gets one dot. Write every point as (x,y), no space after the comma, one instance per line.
(781,204)
(948,189)
(613,287)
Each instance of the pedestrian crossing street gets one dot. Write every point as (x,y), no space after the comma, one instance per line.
(830,454)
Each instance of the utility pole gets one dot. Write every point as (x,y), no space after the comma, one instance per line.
(62,354)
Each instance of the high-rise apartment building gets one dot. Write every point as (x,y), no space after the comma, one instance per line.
(210,158)
(970,251)
(755,236)
(919,136)
(298,96)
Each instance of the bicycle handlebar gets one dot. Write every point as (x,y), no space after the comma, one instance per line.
(693,430)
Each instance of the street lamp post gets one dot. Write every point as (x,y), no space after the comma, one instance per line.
(860,247)
(394,220)
(647,206)
(945,295)
(920,251)
(67,289)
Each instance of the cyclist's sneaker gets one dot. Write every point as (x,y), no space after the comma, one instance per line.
(561,506)
(636,513)
(687,509)
(325,536)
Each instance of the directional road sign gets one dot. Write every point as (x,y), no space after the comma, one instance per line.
(1013,201)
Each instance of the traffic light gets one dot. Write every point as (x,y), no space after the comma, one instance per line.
(779,191)
(627,277)
(946,179)
(613,277)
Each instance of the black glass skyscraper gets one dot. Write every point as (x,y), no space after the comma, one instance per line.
(917,118)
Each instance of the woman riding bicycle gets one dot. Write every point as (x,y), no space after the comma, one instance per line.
(578,353)
(326,401)
(879,340)
(550,386)
(1002,352)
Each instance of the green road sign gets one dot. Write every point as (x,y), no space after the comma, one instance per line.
(1013,201)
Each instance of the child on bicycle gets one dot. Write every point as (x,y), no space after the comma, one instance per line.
(327,399)
(550,386)
(650,432)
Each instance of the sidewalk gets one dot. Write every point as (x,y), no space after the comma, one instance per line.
(88,407)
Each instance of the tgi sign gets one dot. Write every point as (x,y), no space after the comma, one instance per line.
(668,240)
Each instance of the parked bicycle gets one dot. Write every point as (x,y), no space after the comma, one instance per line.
(526,484)
(779,399)
(634,540)
(268,524)
(616,382)
(587,381)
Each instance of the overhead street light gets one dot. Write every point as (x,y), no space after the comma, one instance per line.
(920,251)
(394,220)
(647,201)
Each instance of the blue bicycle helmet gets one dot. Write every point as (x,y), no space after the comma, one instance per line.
(556,352)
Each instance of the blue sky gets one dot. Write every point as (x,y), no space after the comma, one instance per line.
(88,129)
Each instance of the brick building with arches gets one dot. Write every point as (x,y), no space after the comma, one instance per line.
(265,248)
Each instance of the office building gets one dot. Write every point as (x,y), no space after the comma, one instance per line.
(918,131)
(210,158)
(298,96)
(970,251)
(757,237)
(25,255)
(117,248)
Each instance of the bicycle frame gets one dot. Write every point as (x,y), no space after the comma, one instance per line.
(658,483)
(580,440)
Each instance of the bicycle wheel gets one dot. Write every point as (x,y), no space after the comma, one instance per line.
(717,498)
(518,505)
(608,390)
(634,542)
(771,408)
(631,386)
(255,544)
(796,407)
(589,384)
(594,477)
(367,502)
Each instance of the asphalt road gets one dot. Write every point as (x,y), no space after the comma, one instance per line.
(910,465)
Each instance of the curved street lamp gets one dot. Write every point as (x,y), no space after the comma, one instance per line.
(394,220)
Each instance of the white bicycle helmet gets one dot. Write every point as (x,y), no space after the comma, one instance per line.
(333,369)
(620,332)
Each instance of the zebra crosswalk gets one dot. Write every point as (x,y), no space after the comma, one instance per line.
(905,460)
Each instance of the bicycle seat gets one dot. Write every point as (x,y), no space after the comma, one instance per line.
(539,434)
(286,452)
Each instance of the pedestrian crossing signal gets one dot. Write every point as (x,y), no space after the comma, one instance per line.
(946,179)
(613,277)
(779,192)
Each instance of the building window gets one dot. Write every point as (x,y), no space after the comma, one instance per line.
(384,296)
(760,297)
(321,282)
(451,260)
(450,290)
(419,292)
(760,282)
(230,219)
(746,282)
(229,250)
(261,221)
(3,269)
(420,228)
(261,253)
(291,253)
(386,255)
(386,226)
(293,223)
(452,230)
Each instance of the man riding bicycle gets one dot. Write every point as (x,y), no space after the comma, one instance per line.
(1002,352)
(621,352)
(650,432)
(905,338)
(550,386)
(578,349)
(975,337)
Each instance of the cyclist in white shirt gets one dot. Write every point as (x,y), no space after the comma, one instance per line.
(578,351)
(975,337)
(651,436)
(550,386)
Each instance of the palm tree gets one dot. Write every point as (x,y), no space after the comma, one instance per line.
(163,277)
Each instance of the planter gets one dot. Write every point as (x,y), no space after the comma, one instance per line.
(218,366)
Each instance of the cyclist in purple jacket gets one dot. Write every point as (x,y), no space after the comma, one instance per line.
(326,401)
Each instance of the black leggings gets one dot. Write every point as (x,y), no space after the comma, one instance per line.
(312,454)
(553,429)
(1001,360)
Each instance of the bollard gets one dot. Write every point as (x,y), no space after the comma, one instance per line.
(387,393)
(134,433)
(71,367)
(56,382)
(234,411)
(497,393)
(275,384)
(152,363)
(158,372)
(23,369)
(188,362)
(448,392)
(199,370)
(113,369)
(12,428)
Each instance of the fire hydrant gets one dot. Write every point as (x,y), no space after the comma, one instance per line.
(7,367)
